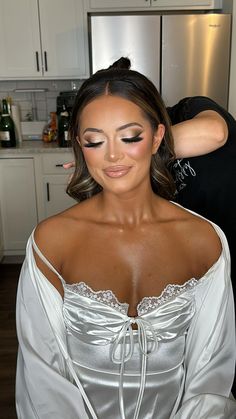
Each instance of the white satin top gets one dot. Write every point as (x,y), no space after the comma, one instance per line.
(126,372)
(177,364)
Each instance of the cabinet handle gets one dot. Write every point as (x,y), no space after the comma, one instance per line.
(37,60)
(48,192)
(45,61)
(59,165)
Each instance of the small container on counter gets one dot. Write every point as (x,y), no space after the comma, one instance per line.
(50,129)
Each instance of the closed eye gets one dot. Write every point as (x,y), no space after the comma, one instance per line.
(135,139)
(93,144)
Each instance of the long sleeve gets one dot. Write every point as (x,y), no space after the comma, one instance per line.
(210,347)
(44,387)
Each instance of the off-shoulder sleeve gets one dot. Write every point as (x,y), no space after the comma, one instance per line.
(210,347)
(44,385)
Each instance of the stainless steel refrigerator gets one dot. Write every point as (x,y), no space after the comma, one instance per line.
(184,55)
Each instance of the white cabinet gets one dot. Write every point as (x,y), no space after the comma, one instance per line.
(32,188)
(123,5)
(18,202)
(63,38)
(19,38)
(55,197)
(186,4)
(118,4)
(52,188)
(43,39)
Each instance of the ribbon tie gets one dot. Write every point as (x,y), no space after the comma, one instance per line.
(146,337)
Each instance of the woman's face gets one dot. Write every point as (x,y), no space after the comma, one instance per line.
(117,141)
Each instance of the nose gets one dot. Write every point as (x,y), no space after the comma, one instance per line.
(113,152)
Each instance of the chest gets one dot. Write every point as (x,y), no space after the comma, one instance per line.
(132,265)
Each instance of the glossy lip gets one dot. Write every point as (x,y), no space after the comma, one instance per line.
(116,171)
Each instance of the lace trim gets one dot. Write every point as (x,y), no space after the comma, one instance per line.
(107,297)
(146,305)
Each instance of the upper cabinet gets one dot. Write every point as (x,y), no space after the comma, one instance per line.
(43,39)
(123,5)
(19,39)
(63,38)
(117,4)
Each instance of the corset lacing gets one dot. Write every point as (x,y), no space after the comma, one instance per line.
(148,342)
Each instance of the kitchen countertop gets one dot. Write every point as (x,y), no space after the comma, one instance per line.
(33,147)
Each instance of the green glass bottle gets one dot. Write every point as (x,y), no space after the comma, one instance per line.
(7,128)
(63,127)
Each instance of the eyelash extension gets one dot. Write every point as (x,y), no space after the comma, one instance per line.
(93,144)
(132,139)
(135,139)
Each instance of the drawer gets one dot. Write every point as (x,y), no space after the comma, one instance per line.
(53,163)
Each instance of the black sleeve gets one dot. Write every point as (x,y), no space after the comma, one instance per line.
(189,107)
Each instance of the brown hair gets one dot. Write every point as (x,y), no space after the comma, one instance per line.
(135,87)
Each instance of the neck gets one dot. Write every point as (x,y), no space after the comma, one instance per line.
(131,209)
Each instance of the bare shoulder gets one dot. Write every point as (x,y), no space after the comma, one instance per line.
(200,236)
(53,237)
(54,234)
(206,238)
(48,236)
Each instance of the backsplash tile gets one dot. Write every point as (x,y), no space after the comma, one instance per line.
(44,102)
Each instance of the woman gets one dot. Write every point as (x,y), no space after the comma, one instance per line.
(125,304)
(205,169)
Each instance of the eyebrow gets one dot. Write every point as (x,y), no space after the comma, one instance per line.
(130,124)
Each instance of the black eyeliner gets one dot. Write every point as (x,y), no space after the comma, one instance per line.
(92,145)
(135,139)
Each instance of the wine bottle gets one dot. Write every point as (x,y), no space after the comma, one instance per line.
(63,127)
(7,128)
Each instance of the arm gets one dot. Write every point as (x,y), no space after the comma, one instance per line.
(204,133)
(44,385)
(210,347)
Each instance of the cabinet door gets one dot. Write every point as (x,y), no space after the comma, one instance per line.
(118,4)
(55,196)
(20,50)
(18,202)
(186,4)
(107,5)
(63,38)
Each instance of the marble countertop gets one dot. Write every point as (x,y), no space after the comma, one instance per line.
(33,147)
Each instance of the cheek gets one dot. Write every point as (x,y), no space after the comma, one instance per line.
(92,157)
(140,151)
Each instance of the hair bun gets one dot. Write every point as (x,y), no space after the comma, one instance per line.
(122,63)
